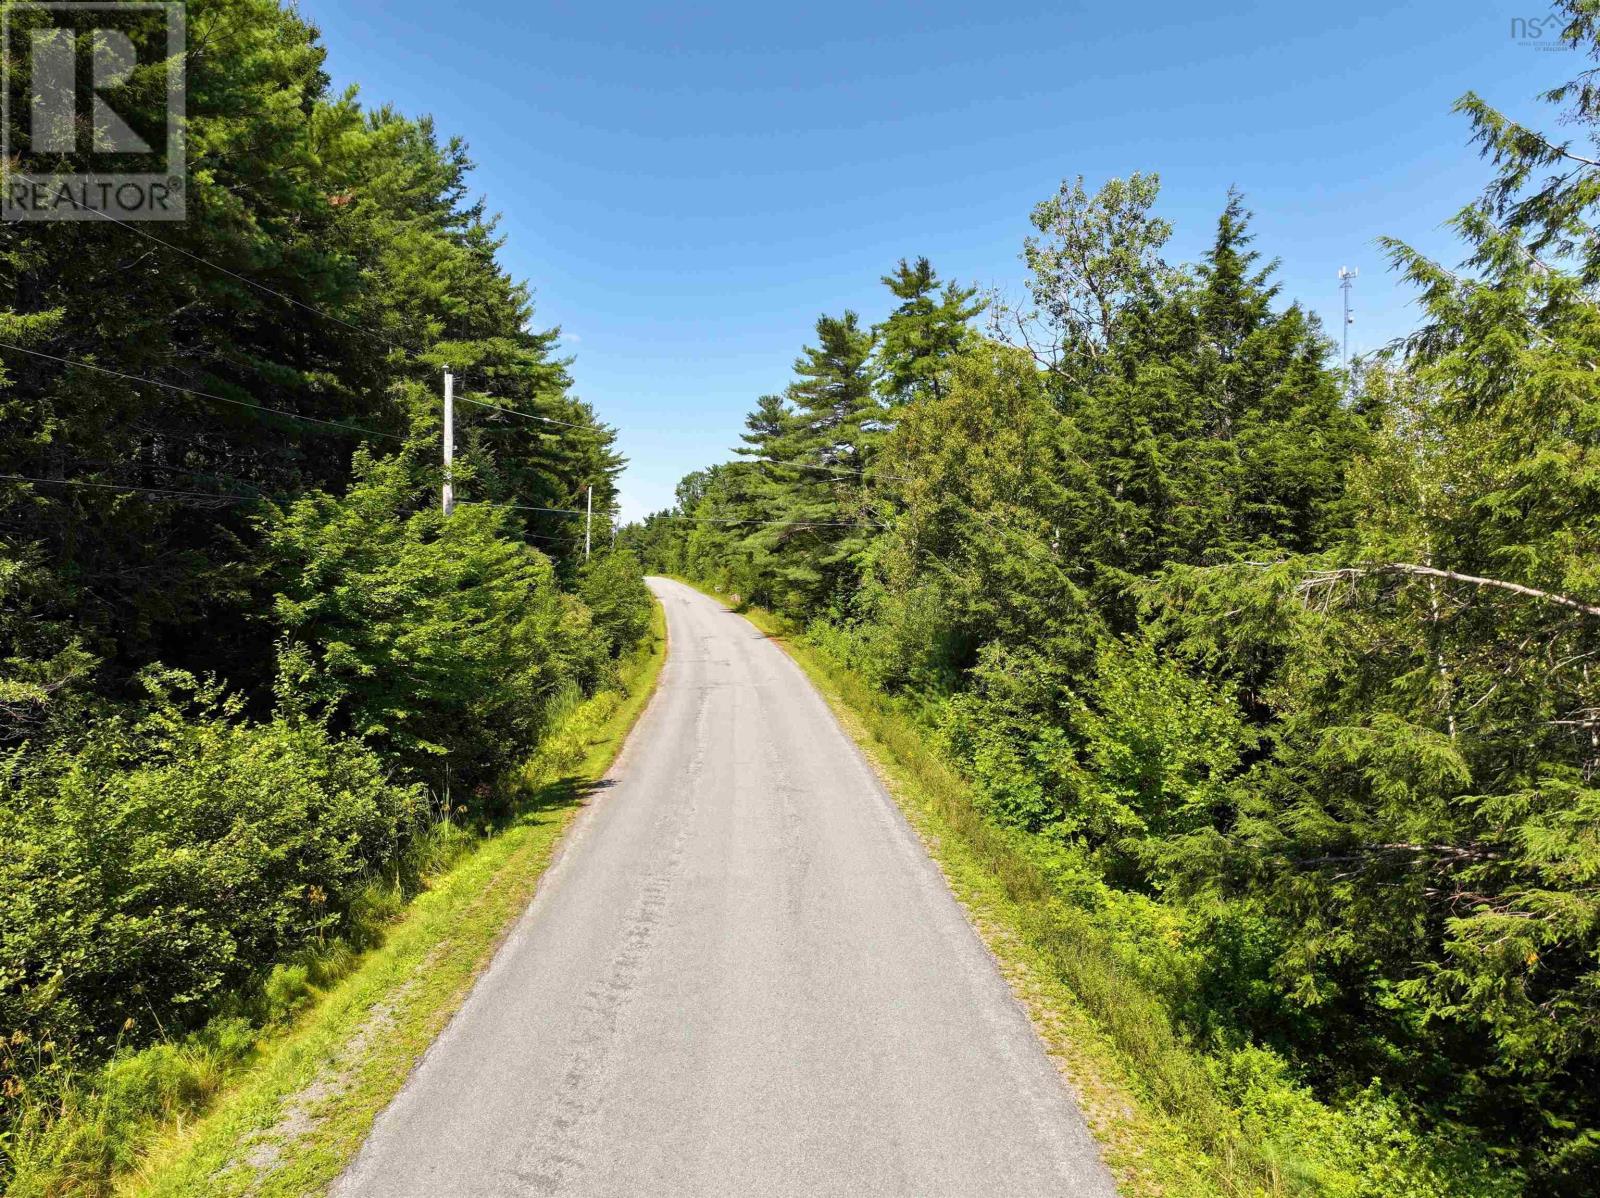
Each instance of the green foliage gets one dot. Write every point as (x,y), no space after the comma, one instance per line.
(165,858)
(440,640)
(85,1129)
(1230,1117)
(1094,274)
(1424,834)
(1147,752)
(611,586)
(1288,688)
(983,482)
(165,847)
(93,1126)
(792,524)
(814,447)
(47,668)
(368,270)
(930,326)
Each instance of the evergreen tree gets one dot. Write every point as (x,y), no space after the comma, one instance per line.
(923,335)
(1423,837)
(369,271)
(825,442)
(221,449)
(1291,697)
(1218,430)
(984,480)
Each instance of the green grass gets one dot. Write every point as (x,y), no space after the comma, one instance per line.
(1171,1119)
(1010,904)
(280,1109)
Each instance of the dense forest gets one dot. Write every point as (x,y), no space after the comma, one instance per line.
(1288,676)
(248,668)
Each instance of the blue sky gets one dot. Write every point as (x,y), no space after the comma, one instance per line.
(688,185)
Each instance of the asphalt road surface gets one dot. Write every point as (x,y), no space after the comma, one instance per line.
(743,976)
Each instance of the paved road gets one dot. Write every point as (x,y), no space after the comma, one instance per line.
(742,977)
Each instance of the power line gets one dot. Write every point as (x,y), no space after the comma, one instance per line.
(80,482)
(365,432)
(140,464)
(753,520)
(211,495)
(567,511)
(831,469)
(289,299)
(524,507)
(526,415)
(232,274)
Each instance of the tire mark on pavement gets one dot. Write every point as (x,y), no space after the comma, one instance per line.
(556,1151)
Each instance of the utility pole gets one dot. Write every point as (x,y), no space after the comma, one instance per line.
(449,495)
(1347,276)
(588,522)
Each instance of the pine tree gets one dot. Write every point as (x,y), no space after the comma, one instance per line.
(837,414)
(923,335)
(1217,429)
(373,271)
(825,442)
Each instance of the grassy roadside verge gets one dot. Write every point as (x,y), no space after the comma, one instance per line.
(1162,1129)
(287,1114)
(1173,1118)
(1169,1122)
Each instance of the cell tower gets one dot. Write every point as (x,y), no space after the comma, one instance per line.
(1347,275)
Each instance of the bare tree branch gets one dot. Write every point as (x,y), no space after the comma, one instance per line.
(1326,577)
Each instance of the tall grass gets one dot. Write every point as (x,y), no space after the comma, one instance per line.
(1247,1126)
(91,1125)
(95,1126)
(1133,1018)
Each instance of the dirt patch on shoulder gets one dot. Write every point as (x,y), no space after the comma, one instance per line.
(264,1152)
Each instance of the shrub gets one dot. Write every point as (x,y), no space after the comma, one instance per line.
(162,860)
(612,587)
(443,641)
(1138,751)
